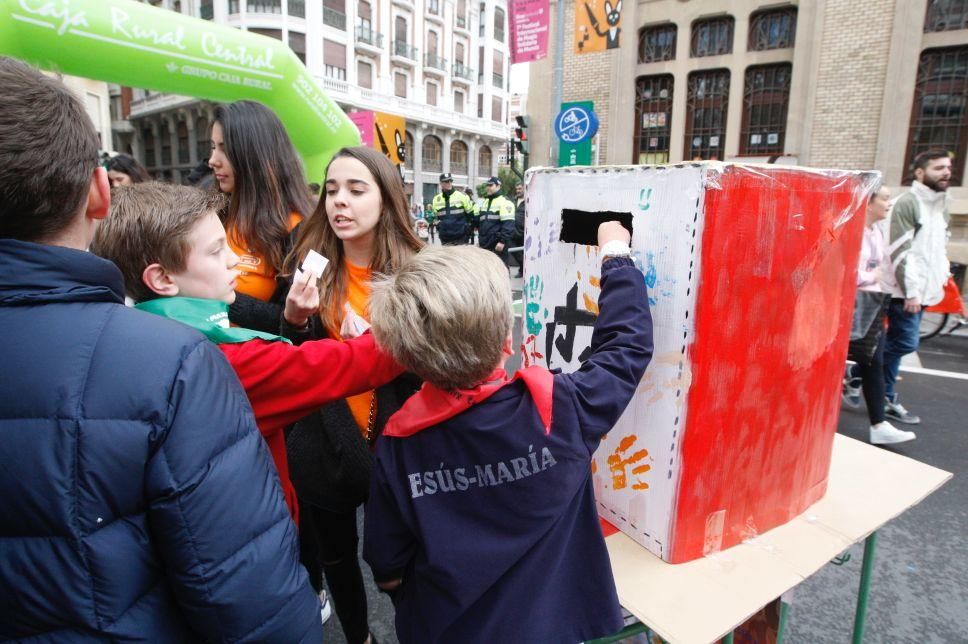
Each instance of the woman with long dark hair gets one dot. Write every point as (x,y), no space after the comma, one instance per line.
(254,163)
(362,225)
(124,170)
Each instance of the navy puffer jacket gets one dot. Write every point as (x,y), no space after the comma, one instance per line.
(139,501)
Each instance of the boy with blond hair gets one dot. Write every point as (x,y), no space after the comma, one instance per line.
(481,521)
(171,248)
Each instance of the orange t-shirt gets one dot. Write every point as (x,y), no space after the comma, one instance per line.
(358,296)
(257,278)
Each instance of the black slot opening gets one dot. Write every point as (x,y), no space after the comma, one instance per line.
(581,226)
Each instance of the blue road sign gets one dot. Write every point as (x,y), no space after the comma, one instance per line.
(576,124)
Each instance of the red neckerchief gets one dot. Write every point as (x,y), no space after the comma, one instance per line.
(433,405)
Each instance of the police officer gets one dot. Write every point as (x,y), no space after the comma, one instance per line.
(496,220)
(452,210)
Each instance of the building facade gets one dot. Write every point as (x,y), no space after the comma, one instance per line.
(822,83)
(441,64)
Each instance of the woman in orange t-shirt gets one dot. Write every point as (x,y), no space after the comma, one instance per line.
(362,225)
(255,164)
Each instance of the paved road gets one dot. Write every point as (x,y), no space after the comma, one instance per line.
(920,581)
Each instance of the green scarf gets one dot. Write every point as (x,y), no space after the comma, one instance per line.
(211,317)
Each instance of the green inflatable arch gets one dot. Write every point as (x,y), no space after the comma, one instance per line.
(135,44)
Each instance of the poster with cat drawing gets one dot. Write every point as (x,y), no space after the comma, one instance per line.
(598,25)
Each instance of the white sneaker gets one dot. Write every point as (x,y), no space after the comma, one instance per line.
(327,610)
(885,433)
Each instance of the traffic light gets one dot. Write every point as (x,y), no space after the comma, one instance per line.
(521,134)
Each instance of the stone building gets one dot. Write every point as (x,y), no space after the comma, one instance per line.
(441,64)
(822,83)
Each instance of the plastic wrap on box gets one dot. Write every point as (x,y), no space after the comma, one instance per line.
(751,273)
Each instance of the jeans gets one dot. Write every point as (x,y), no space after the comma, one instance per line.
(328,545)
(872,381)
(903,336)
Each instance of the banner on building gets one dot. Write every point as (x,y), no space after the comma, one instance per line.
(598,24)
(385,132)
(528,21)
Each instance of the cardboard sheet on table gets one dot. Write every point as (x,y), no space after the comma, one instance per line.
(700,601)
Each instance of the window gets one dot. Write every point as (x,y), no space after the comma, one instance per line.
(712,37)
(459,53)
(459,101)
(297,43)
(766,95)
(432,42)
(272,33)
(165,137)
(460,15)
(334,60)
(431,93)
(657,43)
(480,106)
(149,139)
(938,117)
(484,161)
(183,151)
(364,14)
(400,84)
(497,109)
(297,8)
(499,24)
(773,29)
(203,138)
(946,15)
(400,29)
(408,151)
(498,69)
(433,7)
(480,32)
(364,74)
(653,118)
(706,103)
(431,154)
(458,157)
(334,13)
(205,10)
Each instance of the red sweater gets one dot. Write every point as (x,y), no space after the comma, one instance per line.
(285,383)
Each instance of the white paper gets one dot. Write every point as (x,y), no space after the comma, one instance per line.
(315,263)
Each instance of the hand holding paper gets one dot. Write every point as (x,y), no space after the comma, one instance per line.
(303,298)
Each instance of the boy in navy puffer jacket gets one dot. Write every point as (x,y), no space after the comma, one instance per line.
(481,521)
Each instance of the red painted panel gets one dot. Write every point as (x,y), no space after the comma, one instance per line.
(775,297)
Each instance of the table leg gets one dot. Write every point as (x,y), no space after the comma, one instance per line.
(865,586)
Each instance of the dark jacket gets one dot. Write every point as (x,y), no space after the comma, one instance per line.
(490,520)
(331,436)
(518,223)
(139,500)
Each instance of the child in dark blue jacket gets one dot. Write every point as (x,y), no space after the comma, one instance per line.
(481,521)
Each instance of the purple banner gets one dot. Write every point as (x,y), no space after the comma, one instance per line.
(528,21)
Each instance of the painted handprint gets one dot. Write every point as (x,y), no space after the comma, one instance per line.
(619,465)
(533,291)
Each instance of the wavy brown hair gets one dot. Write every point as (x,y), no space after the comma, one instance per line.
(394,241)
(269,179)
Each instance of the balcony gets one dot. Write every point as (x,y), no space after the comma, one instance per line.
(498,81)
(462,73)
(367,37)
(435,64)
(403,52)
(334,18)
(259,6)
(461,22)
(297,8)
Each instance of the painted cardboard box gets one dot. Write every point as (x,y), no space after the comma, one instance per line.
(751,273)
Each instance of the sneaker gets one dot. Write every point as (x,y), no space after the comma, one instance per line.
(896,411)
(850,393)
(885,433)
(327,610)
